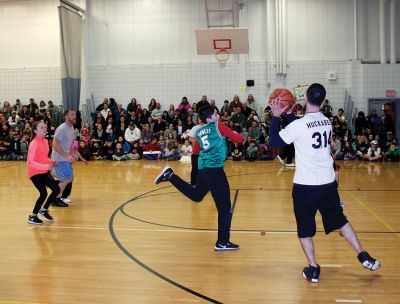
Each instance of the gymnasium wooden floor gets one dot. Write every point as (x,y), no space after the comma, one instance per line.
(125,240)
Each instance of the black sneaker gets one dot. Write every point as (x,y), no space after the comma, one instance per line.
(311,273)
(34,220)
(46,215)
(59,203)
(164,176)
(367,261)
(226,247)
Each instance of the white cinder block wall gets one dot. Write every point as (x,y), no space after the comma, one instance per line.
(147,49)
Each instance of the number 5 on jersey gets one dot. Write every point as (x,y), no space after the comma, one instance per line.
(206,143)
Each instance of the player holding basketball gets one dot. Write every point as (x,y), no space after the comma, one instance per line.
(211,135)
(314,185)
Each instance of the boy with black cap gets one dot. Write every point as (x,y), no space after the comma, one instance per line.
(211,136)
(314,185)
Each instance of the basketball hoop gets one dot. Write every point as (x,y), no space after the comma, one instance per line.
(222,56)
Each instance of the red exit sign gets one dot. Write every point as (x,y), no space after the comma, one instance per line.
(390,93)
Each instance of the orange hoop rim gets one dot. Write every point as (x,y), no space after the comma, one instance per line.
(223,52)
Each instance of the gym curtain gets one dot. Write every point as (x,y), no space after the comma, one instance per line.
(71,56)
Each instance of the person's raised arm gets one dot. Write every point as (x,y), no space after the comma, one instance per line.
(232,135)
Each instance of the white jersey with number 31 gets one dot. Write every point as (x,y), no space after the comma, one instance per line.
(311,136)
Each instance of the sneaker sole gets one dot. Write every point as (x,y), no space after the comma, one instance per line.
(312,280)
(161,174)
(34,223)
(46,219)
(225,249)
(371,267)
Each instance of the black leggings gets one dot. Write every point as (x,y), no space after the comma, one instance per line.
(214,180)
(288,152)
(195,168)
(41,181)
(67,191)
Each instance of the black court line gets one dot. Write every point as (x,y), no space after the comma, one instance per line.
(234,201)
(122,209)
(141,264)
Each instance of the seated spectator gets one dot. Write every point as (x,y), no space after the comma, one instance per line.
(139,110)
(162,142)
(184,105)
(119,153)
(165,117)
(213,106)
(110,125)
(202,102)
(252,103)
(348,151)
(225,108)
(237,152)
(24,147)
(111,136)
(189,123)
(100,107)
(113,105)
(15,146)
(105,111)
(121,126)
(252,151)
(152,150)
(52,108)
(108,150)
(244,133)
(246,110)
(99,120)
(180,130)
(171,112)
(147,133)
(152,105)
(99,133)
(42,107)
(157,112)
(389,140)
(17,107)
(96,150)
(239,119)
(393,153)
(172,131)
(170,152)
(235,103)
(84,150)
(85,133)
(255,132)
(13,119)
(361,147)
(336,147)
(186,149)
(5,132)
(136,152)
(118,112)
(374,152)
(132,107)
(225,118)
(266,153)
(159,126)
(326,108)
(125,145)
(6,111)
(132,134)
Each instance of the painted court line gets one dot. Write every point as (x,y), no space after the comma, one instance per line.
(347,301)
(331,265)
(374,214)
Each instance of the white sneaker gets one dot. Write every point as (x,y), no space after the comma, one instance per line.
(280,160)
(65,200)
(292,165)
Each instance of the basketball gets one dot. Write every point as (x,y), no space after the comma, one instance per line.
(286,95)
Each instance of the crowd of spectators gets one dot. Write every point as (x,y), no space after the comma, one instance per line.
(136,131)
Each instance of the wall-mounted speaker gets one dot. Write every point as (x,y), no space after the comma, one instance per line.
(250,83)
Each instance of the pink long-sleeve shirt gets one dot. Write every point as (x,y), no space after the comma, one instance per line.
(38,161)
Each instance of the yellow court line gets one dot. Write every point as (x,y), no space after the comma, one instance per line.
(374,214)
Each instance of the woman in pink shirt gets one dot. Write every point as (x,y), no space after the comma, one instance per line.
(39,167)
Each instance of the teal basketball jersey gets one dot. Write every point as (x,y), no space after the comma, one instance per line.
(213,146)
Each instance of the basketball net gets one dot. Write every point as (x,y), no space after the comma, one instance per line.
(222,57)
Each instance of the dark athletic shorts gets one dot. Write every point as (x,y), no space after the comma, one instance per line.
(307,200)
